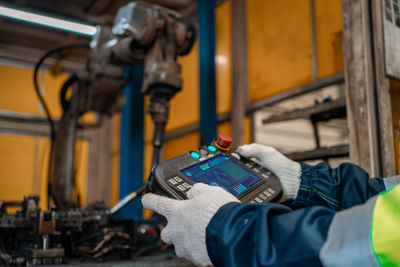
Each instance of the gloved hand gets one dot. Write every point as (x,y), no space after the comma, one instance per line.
(188,219)
(288,171)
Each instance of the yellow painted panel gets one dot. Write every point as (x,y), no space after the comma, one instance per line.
(181,145)
(17,165)
(184,107)
(223,56)
(16,90)
(81,170)
(279,46)
(115,159)
(148,153)
(329,38)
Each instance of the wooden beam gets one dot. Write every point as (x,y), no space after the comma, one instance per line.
(383,96)
(239,70)
(358,77)
(367,88)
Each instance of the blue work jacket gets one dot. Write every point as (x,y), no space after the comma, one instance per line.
(328,224)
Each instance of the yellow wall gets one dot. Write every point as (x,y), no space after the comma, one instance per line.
(279,46)
(329,39)
(279,43)
(24,159)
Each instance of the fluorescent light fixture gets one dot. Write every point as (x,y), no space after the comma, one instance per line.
(221,59)
(48,21)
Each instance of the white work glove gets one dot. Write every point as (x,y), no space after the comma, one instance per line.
(288,171)
(188,219)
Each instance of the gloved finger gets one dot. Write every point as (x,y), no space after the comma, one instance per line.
(198,189)
(159,204)
(179,251)
(166,235)
(251,150)
(255,151)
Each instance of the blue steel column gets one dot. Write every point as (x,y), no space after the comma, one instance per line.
(208,110)
(132,128)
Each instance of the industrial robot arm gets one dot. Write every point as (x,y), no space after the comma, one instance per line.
(142,34)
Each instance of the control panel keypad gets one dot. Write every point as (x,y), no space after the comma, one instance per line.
(186,185)
(249,164)
(179,183)
(172,181)
(264,175)
(272,191)
(263,196)
(181,187)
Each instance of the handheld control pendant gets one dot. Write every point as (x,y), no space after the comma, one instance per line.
(217,165)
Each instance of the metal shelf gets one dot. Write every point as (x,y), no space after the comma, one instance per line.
(320,153)
(319,112)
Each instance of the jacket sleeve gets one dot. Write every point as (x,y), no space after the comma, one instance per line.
(272,235)
(336,188)
(267,235)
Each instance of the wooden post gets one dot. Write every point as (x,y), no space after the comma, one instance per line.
(383,95)
(239,70)
(367,88)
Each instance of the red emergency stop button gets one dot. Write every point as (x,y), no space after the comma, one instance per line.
(224,141)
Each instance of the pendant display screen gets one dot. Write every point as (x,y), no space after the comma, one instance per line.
(224,172)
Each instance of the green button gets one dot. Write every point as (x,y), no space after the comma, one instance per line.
(212,148)
(194,155)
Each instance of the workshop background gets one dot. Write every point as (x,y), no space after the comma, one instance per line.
(290,44)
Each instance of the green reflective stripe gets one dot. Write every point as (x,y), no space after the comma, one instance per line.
(385,227)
